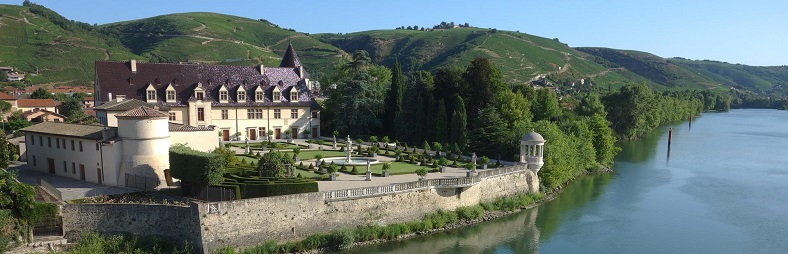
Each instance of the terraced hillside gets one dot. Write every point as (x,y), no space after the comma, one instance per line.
(521,57)
(219,39)
(765,80)
(49,52)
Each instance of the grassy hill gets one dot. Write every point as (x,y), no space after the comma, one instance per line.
(219,39)
(55,50)
(521,57)
(34,44)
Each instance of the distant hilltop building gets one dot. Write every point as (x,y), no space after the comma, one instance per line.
(242,102)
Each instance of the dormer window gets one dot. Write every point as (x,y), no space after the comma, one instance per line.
(241,95)
(150,94)
(170,94)
(223,94)
(293,95)
(276,94)
(199,95)
(198,92)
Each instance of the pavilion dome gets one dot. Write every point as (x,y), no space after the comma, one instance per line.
(533,137)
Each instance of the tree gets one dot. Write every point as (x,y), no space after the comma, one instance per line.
(513,107)
(41,93)
(604,140)
(546,105)
(441,123)
(273,164)
(410,122)
(394,98)
(5,153)
(590,105)
(15,121)
(489,133)
(483,81)
(3,76)
(422,172)
(459,126)
(71,106)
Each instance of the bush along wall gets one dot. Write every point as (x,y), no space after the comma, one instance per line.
(195,168)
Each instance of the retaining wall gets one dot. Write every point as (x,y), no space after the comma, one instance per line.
(251,222)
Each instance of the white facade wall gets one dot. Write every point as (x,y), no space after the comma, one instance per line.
(204,141)
(44,149)
(237,120)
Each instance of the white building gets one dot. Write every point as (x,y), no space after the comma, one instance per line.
(248,101)
(134,154)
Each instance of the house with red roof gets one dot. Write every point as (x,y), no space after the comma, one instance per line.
(249,100)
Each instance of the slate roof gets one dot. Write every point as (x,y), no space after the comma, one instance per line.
(176,127)
(142,112)
(36,103)
(128,104)
(92,132)
(290,59)
(118,79)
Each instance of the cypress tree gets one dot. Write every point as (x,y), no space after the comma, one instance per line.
(459,123)
(441,123)
(394,98)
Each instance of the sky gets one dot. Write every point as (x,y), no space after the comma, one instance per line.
(753,32)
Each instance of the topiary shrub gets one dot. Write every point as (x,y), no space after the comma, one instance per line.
(355,170)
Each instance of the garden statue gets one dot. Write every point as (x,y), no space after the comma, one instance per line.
(369,173)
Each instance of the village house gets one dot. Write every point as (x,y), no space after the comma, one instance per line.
(242,102)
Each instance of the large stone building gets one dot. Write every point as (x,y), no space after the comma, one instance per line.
(242,102)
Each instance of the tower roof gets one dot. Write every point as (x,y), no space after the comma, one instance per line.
(142,112)
(290,59)
(533,137)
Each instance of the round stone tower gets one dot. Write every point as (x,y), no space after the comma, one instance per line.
(145,138)
(532,150)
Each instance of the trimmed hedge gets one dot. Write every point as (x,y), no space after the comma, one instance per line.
(196,167)
(255,186)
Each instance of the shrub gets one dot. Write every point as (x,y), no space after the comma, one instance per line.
(342,239)
(315,241)
(418,226)
(343,168)
(368,233)
(470,212)
(355,170)
(196,167)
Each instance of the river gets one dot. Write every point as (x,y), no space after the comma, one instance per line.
(722,189)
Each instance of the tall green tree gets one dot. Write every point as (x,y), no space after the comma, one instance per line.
(604,140)
(394,99)
(546,105)
(411,122)
(514,108)
(483,80)
(459,125)
(273,164)
(441,123)
(488,133)
(449,84)
(590,105)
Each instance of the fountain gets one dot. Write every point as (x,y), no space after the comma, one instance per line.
(347,160)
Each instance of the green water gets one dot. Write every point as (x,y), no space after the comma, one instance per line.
(723,189)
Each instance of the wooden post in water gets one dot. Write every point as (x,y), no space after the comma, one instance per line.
(690,122)
(670,137)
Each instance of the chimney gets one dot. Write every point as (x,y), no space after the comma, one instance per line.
(133,66)
(301,71)
(109,97)
(262,69)
(120,98)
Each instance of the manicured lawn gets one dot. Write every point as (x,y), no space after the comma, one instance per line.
(397,168)
(308,155)
(250,168)
(258,145)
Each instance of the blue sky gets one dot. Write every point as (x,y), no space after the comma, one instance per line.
(748,32)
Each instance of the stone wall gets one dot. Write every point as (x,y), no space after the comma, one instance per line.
(176,223)
(250,222)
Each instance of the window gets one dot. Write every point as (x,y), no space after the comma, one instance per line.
(170,95)
(72,145)
(80,146)
(73,168)
(65,168)
(277,113)
(276,96)
(49,141)
(224,114)
(32,140)
(200,114)
(34,159)
(261,132)
(151,95)
(293,96)
(258,96)
(97,146)
(64,144)
(223,95)
(294,113)
(40,140)
(241,96)
(57,143)
(314,114)
(254,113)
(199,95)
(172,116)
